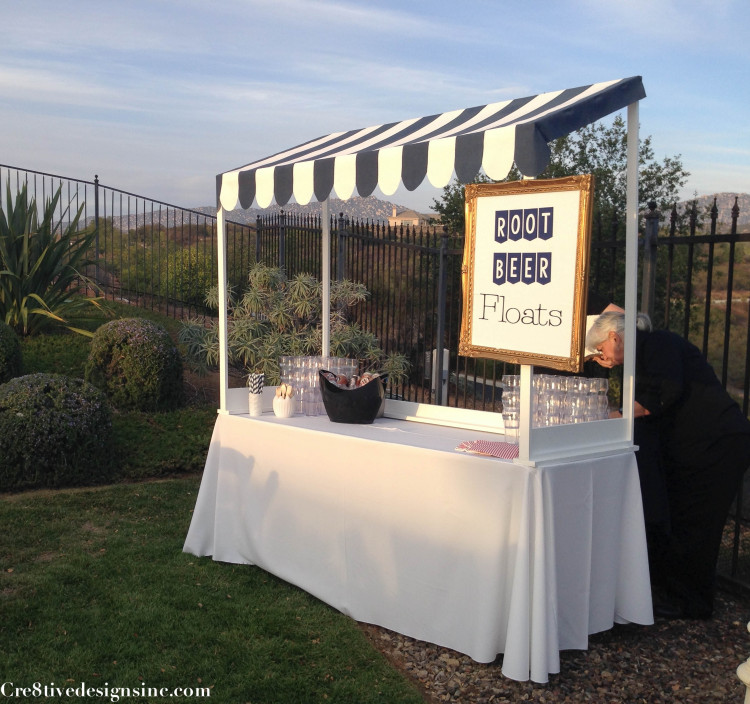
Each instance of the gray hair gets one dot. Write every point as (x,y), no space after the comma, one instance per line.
(613,321)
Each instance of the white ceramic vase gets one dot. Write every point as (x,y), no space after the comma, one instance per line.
(255,404)
(283,407)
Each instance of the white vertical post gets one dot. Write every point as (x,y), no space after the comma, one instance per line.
(526,424)
(223,300)
(325,261)
(526,402)
(631,267)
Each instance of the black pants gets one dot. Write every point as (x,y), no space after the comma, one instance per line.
(700,492)
(652,475)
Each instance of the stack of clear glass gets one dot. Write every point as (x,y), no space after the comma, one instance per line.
(302,374)
(556,400)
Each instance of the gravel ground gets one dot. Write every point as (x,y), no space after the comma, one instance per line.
(690,662)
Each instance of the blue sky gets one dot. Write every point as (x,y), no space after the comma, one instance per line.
(158,96)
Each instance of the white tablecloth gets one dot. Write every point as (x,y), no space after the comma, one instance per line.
(392,526)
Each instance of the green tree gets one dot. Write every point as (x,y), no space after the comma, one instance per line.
(601,150)
(187,275)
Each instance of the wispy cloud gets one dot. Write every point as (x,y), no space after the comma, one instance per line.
(414,21)
(689,23)
(54,85)
(171,92)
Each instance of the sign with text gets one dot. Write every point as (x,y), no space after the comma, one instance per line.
(525,271)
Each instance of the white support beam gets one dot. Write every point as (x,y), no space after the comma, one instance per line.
(631,267)
(526,423)
(325,259)
(223,302)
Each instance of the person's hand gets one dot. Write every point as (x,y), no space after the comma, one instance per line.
(641,411)
(606,363)
(638,411)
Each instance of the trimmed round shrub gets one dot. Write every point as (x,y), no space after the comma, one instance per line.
(54,431)
(136,363)
(10,353)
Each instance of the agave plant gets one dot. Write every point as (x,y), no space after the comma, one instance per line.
(41,265)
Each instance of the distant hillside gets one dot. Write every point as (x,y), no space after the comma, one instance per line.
(724,205)
(370,209)
(356,208)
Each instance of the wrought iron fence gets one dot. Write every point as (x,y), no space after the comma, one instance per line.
(698,281)
(147,252)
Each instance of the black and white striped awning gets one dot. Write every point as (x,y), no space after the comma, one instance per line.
(489,137)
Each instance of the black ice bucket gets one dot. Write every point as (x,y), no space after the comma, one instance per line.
(359,405)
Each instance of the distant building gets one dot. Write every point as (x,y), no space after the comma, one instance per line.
(410,218)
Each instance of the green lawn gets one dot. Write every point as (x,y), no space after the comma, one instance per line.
(95,588)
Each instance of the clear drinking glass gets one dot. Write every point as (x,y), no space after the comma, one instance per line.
(592,407)
(603,406)
(309,405)
(575,407)
(299,376)
(511,381)
(550,409)
(511,414)
(578,384)
(286,369)
(512,422)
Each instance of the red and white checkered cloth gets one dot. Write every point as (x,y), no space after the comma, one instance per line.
(503,450)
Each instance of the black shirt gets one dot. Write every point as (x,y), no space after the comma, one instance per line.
(679,388)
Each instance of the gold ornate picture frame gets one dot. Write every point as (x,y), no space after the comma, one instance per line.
(525,271)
